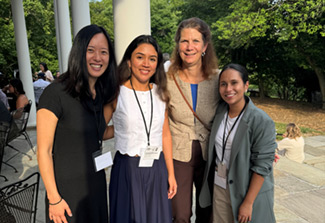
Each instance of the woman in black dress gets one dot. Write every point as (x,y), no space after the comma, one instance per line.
(70,127)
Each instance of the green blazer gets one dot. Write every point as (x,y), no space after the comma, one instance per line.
(252,150)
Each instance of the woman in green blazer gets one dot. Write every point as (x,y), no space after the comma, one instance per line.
(238,179)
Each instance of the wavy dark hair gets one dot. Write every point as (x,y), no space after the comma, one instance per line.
(209,61)
(18,85)
(76,77)
(45,66)
(159,77)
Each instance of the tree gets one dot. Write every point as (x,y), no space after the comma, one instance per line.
(8,59)
(101,14)
(164,21)
(40,25)
(300,24)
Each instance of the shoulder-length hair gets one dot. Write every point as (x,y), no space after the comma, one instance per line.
(159,77)
(44,65)
(209,60)
(293,131)
(76,77)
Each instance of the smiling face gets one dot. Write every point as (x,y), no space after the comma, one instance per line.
(97,56)
(191,47)
(232,88)
(143,64)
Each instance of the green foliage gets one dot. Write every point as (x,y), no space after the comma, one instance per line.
(164,21)
(282,43)
(40,32)
(275,39)
(101,13)
(39,17)
(8,46)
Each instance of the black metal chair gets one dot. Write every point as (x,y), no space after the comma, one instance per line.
(18,201)
(4,130)
(18,126)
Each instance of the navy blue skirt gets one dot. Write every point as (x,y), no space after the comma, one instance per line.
(139,194)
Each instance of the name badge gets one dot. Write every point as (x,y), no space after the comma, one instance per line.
(222,170)
(149,155)
(102,160)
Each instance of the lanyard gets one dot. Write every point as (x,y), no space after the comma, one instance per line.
(100,141)
(144,120)
(224,142)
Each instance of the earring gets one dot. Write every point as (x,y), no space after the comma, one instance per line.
(203,54)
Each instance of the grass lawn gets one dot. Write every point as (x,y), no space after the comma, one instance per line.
(281,128)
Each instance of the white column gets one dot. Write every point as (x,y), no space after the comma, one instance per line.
(80,15)
(131,19)
(24,66)
(64,31)
(57,33)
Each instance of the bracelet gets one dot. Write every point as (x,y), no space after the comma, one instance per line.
(56,202)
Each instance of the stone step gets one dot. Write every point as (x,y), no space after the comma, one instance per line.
(302,171)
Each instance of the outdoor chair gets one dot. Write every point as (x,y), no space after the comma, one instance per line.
(19,123)
(18,201)
(4,131)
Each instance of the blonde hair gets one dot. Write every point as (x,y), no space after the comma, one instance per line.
(293,131)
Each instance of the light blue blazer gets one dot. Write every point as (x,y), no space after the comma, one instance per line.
(252,150)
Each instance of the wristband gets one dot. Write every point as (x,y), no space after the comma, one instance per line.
(56,202)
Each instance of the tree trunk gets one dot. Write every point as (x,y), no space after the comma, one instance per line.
(321,78)
(261,88)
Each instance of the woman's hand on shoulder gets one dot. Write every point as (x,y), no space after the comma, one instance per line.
(172,190)
(57,212)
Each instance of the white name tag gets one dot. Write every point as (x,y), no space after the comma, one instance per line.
(222,170)
(102,160)
(148,156)
(146,163)
(152,152)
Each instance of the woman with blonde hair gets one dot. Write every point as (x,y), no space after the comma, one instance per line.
(292,146)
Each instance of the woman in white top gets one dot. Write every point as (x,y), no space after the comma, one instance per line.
(292,146)
(48,74)
(142,178)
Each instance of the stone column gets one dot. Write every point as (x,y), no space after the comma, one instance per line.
(80,15)
(24,66)
(64,32)
(131,19)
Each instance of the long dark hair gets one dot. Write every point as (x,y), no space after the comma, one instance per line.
(17,85)
(209,60)
(45,66)
(76,77)
(159,77)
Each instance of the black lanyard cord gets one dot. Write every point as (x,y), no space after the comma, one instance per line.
(144,120)
(98,124)
(224,142)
